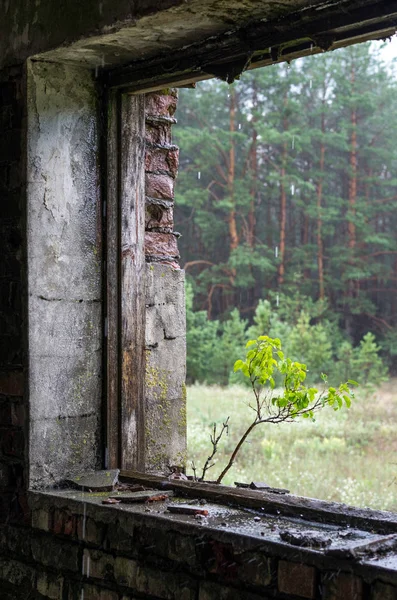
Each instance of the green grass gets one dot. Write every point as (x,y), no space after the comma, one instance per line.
(347,456)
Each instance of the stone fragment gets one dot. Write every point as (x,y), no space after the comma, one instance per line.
(140,497)
(96,481)
(305,539)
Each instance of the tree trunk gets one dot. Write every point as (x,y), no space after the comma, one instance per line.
(233,233)
(352,197)
(320,249)
(283,216)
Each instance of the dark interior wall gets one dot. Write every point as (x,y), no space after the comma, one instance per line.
(13,296)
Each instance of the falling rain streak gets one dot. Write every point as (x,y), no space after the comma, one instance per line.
(198,174)
(276,252)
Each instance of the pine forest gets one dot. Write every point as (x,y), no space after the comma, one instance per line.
(286,200)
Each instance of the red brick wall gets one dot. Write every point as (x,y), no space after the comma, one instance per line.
(110,554)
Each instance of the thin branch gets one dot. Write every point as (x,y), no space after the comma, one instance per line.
(215,442)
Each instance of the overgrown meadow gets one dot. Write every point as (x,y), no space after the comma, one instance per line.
(347,456)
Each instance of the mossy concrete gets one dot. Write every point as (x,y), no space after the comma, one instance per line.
(165,368)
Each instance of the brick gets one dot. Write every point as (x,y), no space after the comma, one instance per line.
(161,245)
(50,586)
(90,531)
(63,523)
(98,565)
(121,537)
(13,442)
(382,591)
(16,573)
(296,579)
(12,413)
(167,544)
(158,134)
(340,586)
(16,540)
(256,569)
(158,216)
(168,586)
(12,383)
(52,552)
(161,104)
(159,186)
(41,519)
(94,593)
(214,591)
(125,571)
(162,159)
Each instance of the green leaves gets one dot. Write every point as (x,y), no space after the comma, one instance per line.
(264,359)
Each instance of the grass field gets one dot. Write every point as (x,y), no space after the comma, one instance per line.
(348,456)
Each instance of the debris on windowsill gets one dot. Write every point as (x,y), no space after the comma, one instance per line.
(261,486)
(96,481)
(307,539)
(378,546)
(111,501)
(187,509)
(142,496)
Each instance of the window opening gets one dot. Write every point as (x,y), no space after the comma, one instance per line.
(286,205)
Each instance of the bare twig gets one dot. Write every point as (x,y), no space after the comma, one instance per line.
(215,439)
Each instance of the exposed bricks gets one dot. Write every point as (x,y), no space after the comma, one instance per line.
(160,245)
(154,560)
(63,523)
(162,104)
(159,217)
(158,134)
(159,186)
(341,586)
(297,579)
(162,160)
(161,166)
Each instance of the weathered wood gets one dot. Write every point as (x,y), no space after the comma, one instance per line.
(112,274)
(132,280)
(288,505)
(298,34)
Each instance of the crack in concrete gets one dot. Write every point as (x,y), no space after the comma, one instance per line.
(74,300)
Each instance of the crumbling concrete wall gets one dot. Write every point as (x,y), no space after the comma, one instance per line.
(64,273)
(165,411)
